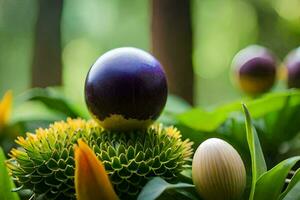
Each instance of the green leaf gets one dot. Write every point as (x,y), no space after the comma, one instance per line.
(199,119)
(158,188)
(271,183)
(186,176)
(293,193)
(176,105)
(274,102)
(32,111)
(6,183)
(210,120)
(293,186)
(257,158)
(51,98)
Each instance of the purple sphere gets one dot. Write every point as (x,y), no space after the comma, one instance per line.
(255,68)
(292,62)
(126,89)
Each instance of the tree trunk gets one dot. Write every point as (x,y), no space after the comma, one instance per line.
(172,44)
(47,63)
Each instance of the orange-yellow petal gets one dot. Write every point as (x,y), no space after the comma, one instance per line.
(5,108)
(91,180)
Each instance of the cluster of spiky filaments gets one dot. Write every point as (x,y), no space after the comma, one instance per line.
(44,163)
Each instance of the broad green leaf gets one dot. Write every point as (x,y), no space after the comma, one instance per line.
(270,184)
(233,130)
(257,158)
(199,119)
(158,188)
(294,193)
(185,176)
(6,183)
(176,105)
(32,111)
(273,102)
(293,186)
(210,120)
(51,98)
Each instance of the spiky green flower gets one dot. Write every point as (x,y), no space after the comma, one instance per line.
(45,161)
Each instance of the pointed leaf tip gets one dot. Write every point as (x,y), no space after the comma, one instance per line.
(91,180)
(245,109)
(258,164)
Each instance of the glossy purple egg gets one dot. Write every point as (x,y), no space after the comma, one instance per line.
(292,63)
(255,69)
(126,89)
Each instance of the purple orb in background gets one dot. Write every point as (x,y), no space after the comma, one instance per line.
(255,69)
(292,62)
(126,89)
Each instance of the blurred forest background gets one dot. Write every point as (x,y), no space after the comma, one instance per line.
(50,42)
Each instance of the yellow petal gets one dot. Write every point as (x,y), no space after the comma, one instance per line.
(5,108)
(91,180)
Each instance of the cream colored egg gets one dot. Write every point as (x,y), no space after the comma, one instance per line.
(218,171)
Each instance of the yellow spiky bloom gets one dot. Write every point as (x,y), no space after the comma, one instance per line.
(44,163)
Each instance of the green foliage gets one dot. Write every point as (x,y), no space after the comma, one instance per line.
(275,118)
(6,182)
(267,183)
(159,189)
(53,99)
(293,189)
(271,183)
(275,122)
(293,194)
(174,106)
(204,120)
(257,158)
(37,108)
